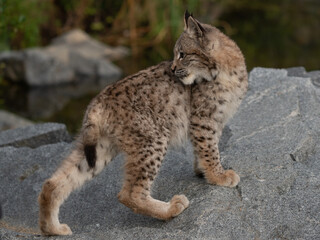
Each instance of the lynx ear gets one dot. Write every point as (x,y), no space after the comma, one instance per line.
(193,27)
(186,17)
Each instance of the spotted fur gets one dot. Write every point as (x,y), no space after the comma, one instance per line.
(145,113)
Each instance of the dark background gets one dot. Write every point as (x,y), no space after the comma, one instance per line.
(273,33)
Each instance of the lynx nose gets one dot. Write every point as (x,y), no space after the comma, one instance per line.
(173,67)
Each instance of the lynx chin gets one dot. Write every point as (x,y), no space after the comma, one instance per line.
(141,115)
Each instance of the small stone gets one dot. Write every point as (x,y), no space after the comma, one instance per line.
(305,149)
(297,72)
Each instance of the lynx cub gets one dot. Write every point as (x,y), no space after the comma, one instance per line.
(143,114)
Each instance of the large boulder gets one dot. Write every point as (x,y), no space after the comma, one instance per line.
(71,58)
(78,40)
(273,142)
(44,68)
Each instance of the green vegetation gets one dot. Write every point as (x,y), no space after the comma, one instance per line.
(20,23)
(271,33)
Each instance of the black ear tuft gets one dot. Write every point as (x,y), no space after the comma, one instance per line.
(186,16)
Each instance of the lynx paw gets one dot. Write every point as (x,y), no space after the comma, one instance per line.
(62,229)
(177,204)
(228,179)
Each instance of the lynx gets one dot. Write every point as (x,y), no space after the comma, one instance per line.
(192,97)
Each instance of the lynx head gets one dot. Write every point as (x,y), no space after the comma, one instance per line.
(200,51)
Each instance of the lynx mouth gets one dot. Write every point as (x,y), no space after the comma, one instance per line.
(185,77)
(188,79)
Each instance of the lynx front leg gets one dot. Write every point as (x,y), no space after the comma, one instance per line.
(141,170)
(207,158)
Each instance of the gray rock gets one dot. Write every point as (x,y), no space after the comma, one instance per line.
(43,68)
(78,39)
(84,64)
(272,142)
(35,135)
(35,67)
(12,65)
(10,121)
(69,59)
(301,72)
(315,77)
(105,70)
(21,182)
(297,72)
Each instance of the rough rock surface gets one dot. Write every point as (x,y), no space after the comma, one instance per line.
(35,135)
(71,58)
(272,142)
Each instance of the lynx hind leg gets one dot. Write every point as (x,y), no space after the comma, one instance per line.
(73,173)
(141,170)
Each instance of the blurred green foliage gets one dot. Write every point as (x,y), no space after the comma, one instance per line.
(271,33)
(20,23)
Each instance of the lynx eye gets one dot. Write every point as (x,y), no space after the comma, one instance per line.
(181,55)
